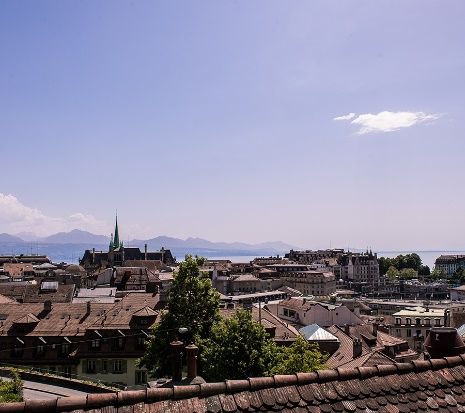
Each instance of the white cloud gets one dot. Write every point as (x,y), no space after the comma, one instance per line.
(16,217)
(349,116)
(387,121)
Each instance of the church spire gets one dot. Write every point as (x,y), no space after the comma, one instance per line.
(116,242)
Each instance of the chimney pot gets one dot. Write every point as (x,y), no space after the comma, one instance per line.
(191,353)
(176,359)
(357,348)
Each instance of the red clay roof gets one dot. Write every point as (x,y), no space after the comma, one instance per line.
(418,386)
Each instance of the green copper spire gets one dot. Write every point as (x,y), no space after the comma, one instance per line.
(116,243)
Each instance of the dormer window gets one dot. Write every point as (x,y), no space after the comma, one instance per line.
(95,344)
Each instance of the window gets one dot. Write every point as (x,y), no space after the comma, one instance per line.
(437,321)
(95,344)
(141,377)
(418,333)
(64,349)
(427,321)
(40,349)
(140,344)
(104,366)
(409,333)
(408,321)
(418,321)
(118,343)
(117,366)
(90,366)
(18,350)
(398,320)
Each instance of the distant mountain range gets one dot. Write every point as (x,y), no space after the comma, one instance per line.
(90,240)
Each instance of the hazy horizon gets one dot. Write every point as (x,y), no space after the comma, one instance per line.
(327,123)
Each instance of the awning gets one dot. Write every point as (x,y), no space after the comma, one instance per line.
(119,331)
(43,340)
(21,341)
(67,340)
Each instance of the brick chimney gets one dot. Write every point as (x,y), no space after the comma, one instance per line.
(47,305)
(191,354)
(145,252)
(176,359)
(357,348)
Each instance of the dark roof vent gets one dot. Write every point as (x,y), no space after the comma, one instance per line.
(444,342)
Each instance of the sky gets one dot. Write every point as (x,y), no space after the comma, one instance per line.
(318,123)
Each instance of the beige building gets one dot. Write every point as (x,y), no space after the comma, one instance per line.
(413,324)
(316,283)
(305,312)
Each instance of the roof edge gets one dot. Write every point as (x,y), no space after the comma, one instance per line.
(130,397)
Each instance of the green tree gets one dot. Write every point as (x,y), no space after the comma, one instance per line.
(301,356)
(413,261)
(437,274)
(408,273)
(392,272)
(193,304)
(11,390)
(384,264)
(424,270)
(237,348)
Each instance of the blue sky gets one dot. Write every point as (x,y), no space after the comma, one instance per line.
(216,119)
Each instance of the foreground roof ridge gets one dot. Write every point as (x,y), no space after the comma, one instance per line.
(132,397)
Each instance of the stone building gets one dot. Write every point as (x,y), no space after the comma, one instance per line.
(414,323)
(448,264)
(117,255)
(316,283)
(98,341)
(359,269)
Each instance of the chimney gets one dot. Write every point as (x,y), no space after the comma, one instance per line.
(47,305)
(191,353)
(357,348)
(93,255)
(163,294)
(176,359)
(375,329)
(347,329)
(145,252)
(88,308)
(444,342)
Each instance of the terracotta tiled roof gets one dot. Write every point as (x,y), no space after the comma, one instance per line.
(31,293)
(419,386)
(374,358)
(344,353)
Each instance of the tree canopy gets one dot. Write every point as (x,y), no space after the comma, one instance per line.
(193,304)
(408,261)
(239,348)
(301,356)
